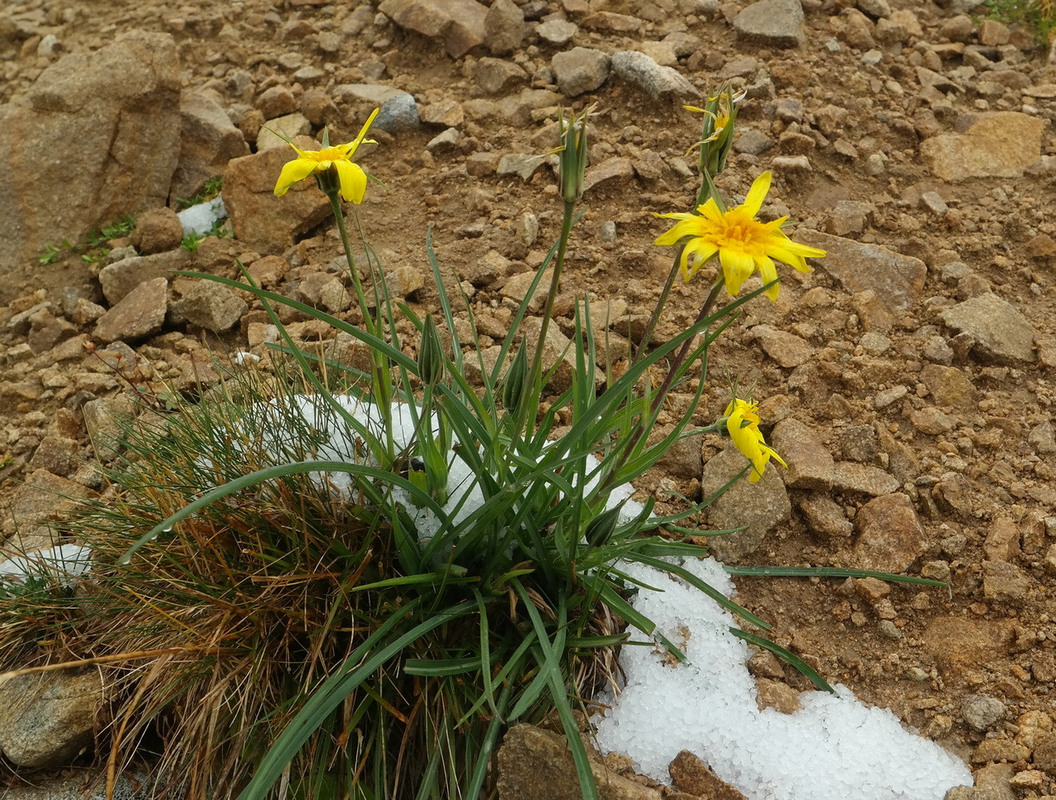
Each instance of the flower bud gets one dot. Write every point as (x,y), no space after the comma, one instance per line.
(601,528)
(513,381)
(430,353)
(573,156)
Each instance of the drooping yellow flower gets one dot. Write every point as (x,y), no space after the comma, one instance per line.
(742,243)
(742,423)
(351,178)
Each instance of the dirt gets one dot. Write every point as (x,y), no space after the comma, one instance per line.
(938,647)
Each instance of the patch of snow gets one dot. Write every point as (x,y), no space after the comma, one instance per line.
(201,218)
(65,563)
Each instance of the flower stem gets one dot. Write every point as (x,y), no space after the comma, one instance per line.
(534,378)
(655,318)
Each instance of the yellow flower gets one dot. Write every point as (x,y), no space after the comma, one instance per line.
(742,243)
(742,423)
(351,178)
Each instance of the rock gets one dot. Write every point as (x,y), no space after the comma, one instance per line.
(771,23)
(278,131)
(504,27)
(110,118)
(580,70)
(398,114)
(1002,542)
(787,349)
(851,477)
(57,455)
(208,140)
(121,277)
(1042,438)
(931,421)
(276,101)
(897,280)
(889,537)
(534,763)
(157,230)
(1004,582)
(47,719)
(810,465)
(616,168)
(949,386)
(1045,754)
(657,81)
(523,165)
(991,783)
(760,506)
(211,306)
(444,143)
(557,31)
(1000,145)
(45,497)
(139,315)
(997,750)
(981,711)
(498,76)
(1002,334)
(826,517)
(460,23)
(261,220)
(611,22)
(691,776)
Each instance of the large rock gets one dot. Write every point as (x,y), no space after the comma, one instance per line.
(761,506)
(46,720)
(999,145)
(208,140)
(97,137)
(655,80)
(460,23)
(772,23)
(260,219)
(139,315)
(1002,334)
(579,70)
(895,279)
(889,536)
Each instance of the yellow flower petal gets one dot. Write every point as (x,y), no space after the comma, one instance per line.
(292,172)
(353,181)
(757,194)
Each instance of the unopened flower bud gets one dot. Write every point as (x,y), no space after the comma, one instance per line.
(430,353)
(573,156)
(601,528)
(513,382)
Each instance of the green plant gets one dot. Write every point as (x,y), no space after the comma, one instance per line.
(211,189)
(91,249)
(1038,15)
(192,240)
(347,579)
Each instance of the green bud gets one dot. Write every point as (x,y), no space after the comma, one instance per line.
(430,353)
(601,528)
(513,382)
(573,156)
(716,134)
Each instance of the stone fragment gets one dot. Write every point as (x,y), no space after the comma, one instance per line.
(278,131)
(692,777)
(559,356)
(44,497)
(611,22)
(787,349)
(48,719)
(823,515)
(949,386)
(461,24)
(897,280)
(139,315)
(445,143)
(157,230)
(534,763)
(261,220)
(504,27)
(1004,582)
(616,168)
(1000,145)
(1002,541)
(398,114)
(580,70)
(211,306)
(498,76)
(106,419)
(981,711)
(990,751)
(522,165)
(810,465)
(1001,333)
(276,101)
(1045,754)
(760,506)
(931,421)
(208,140)
(111,120)
(557,31)
(889,536)
(772,23)
(849,476)
(121,277)
(655,80)
(1042,438)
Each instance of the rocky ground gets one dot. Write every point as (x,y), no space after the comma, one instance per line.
(907,381)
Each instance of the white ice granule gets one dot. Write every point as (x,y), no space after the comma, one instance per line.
(834,748)
(201,218)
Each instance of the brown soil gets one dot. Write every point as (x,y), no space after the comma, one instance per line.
(953,644)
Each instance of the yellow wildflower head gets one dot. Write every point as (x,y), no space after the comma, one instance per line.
(742,243)
(333,166)
(742,424)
